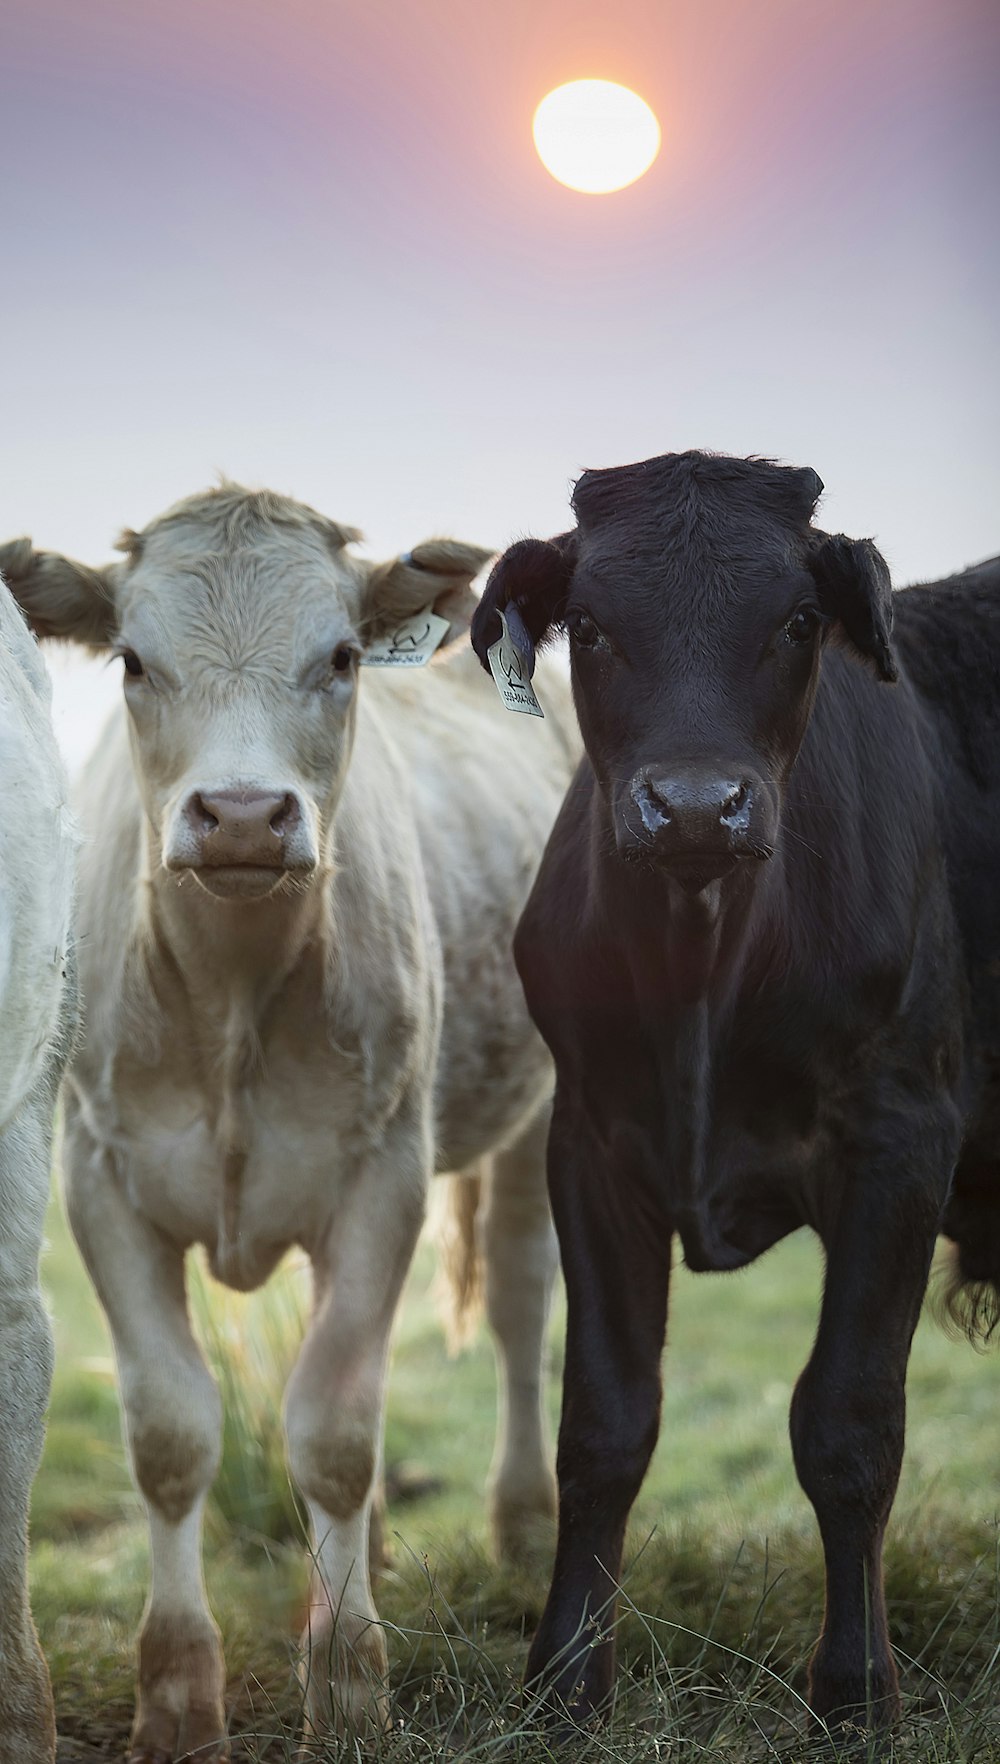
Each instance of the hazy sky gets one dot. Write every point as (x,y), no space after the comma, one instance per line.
(308,242)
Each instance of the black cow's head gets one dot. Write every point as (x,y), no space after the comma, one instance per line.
(697,596)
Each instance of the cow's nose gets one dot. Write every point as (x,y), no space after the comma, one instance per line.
(695,823)
(688,808)
(241,826)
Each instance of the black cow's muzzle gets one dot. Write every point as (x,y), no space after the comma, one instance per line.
(694,824)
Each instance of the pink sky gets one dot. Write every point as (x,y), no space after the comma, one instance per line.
(311,245)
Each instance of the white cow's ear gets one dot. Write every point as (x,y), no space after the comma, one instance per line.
(437,574)
(60,598)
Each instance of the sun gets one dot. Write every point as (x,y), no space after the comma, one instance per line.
(595,135)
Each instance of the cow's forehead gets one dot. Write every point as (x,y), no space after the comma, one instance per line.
(615,491)
(696,524)
(271,596)
(733,554)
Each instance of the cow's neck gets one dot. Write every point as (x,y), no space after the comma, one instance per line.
(230,957)
(686,964)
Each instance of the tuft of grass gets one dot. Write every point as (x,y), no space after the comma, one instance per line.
(251,1341)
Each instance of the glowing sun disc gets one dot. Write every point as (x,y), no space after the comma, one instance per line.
(595,135)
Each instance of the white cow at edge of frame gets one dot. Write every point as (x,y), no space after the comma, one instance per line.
(36,1023)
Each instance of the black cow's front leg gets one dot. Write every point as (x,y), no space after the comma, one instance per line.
(849,1408)
(616,1260)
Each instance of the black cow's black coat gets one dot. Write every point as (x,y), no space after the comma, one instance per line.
(794,1023)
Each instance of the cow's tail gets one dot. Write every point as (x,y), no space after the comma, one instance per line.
(966,1307)
(459,1285)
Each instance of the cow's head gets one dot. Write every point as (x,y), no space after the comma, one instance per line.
(241,618)
(697,597)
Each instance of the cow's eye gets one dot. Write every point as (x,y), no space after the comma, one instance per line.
(133,666)
(584,631)
(342,659)
(800,627)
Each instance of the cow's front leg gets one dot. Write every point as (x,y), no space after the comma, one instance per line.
(173,1425)
(521,1258)
(616,1261)
(333,1422)
(27,1724)
(849,1408)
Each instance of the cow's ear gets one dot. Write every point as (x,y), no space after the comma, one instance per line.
(58,597)
(534,576)
(439,574)
(854,587)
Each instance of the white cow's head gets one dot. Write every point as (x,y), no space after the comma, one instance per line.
(241,618)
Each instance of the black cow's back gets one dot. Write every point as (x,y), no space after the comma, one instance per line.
(948,638)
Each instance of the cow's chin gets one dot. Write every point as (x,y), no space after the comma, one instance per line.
(240,881)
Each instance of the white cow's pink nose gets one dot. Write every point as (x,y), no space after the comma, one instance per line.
(241,826)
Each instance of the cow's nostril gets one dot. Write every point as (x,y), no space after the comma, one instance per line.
(737,799)
(285,816)
(201,815)
(655,792)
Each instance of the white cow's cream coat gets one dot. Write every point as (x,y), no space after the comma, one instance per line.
(36,853)
(262,1072)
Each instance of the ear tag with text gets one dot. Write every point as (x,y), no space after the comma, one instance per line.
(512,671)
(409,644)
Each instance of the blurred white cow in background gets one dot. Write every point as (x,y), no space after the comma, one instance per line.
(36,1016)
(298,893)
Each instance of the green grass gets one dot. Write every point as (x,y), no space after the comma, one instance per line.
(722,1584)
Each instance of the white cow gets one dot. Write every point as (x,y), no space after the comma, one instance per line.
(36,1012)
(297,895)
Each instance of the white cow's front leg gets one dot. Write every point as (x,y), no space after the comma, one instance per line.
(27,1726)
(173,1424)
(521,1256)
(333,1420)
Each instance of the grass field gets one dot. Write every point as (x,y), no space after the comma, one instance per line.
(722,1585)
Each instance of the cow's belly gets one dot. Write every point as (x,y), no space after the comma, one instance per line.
(246,1219)
(246,1206)
(494,1081)
(753,1192)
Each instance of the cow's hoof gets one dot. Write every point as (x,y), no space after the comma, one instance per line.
(524,1530)
(343,1675)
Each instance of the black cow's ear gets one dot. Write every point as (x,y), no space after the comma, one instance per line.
(534,576)
(854,588)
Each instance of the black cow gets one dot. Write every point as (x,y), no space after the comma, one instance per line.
(764,948)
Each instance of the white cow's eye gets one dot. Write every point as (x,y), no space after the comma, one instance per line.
(342,659)
(133,666)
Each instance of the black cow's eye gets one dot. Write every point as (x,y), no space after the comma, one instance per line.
(800,626)
(583,630)
(342,659)
(133,666)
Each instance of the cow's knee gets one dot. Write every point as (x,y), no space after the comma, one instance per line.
(605,1459)
(332,1457)
(848,1449)
(175,1440)
(26,1361)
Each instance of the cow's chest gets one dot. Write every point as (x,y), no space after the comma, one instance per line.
(741,1138)
(244,1168)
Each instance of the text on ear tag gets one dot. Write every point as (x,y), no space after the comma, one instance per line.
(409,644)
(511,671)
